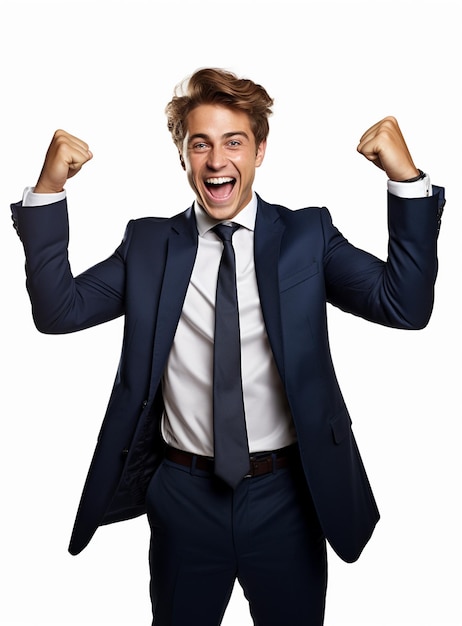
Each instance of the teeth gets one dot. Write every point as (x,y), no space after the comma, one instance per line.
(218,181)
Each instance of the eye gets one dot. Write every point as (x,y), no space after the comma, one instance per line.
(234,143)
(200,145)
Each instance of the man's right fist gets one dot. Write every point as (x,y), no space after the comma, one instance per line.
(64,159)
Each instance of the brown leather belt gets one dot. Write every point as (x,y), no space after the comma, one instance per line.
(260,464)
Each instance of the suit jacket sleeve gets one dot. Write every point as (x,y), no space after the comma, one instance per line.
(400,291)
(60,302)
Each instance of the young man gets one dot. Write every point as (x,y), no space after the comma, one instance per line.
(230,429)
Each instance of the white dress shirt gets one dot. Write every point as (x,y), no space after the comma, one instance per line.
(188,378)
(187,383)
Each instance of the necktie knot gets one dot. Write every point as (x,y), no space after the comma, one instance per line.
(225,231)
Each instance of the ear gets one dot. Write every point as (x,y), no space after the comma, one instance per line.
(183,165)
(260,153)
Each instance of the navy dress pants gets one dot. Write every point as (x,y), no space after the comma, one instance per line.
(204,536)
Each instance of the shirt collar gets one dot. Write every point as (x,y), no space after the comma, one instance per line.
(246,217)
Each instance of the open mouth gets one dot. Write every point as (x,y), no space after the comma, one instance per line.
(220,188)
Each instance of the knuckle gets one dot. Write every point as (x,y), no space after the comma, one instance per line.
(59,133)
(390,122)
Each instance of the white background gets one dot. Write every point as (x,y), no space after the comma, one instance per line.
(104,70)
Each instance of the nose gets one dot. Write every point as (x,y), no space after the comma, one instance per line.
(216,158)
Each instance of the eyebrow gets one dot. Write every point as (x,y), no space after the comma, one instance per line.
(225,136)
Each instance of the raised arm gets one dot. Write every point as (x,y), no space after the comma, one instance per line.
(398,292)
(60,302)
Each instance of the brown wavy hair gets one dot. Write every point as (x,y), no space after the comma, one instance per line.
(217,86)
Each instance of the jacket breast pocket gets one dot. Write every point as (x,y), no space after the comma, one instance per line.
(286,282)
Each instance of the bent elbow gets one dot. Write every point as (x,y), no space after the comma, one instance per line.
(419,319)
(45,328)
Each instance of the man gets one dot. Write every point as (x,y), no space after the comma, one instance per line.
(245,464)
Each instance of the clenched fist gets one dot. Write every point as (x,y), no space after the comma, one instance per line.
(384,145)
(65,157)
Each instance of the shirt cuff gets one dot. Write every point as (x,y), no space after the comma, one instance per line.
(29,198)
(418,189)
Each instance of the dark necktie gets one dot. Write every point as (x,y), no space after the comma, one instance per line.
(231,449)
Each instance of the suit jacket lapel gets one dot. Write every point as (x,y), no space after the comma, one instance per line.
(181,254)
(268,234)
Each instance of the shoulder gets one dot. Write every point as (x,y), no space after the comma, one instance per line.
(293,218)
(158,223)
(159,226)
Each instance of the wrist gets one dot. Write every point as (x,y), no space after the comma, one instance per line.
(420,175)
(43,188)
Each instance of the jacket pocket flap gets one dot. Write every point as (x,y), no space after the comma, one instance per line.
(341,426)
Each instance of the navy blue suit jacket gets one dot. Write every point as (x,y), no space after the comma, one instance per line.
(302,262)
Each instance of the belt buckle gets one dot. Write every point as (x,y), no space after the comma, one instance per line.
(255,462)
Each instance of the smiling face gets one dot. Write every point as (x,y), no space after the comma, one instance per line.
(220,156)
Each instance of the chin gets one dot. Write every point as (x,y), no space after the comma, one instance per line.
(222,214)
(218,213)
